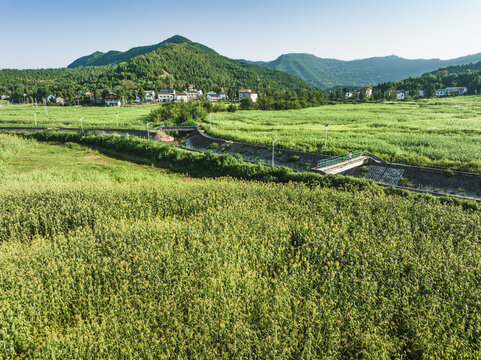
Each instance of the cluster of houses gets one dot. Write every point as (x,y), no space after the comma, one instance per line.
(403,94)
(161,96)
(165,95)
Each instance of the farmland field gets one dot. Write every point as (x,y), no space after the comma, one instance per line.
(102,258)
(435,132)
(130,117)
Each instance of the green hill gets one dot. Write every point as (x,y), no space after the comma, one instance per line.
(116,57)
(173,63)
(329,73)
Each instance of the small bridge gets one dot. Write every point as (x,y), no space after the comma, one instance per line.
(341,163)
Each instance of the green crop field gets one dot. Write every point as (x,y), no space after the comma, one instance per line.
(436,132)
(130,117)
(103,258)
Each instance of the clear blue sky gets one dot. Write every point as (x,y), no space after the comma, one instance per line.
(36,34)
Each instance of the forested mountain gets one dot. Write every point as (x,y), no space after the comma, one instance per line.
(174,64)
(461,75)
(116,57)
(329,73)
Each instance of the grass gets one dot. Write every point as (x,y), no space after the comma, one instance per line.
(101,258)
(130,117)
(435,132)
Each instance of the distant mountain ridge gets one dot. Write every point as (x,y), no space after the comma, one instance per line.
(328,73)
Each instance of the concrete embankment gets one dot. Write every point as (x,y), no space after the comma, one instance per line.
(199,140)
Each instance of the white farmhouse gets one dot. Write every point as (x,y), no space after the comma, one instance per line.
(223,96)
(457,90)
(401,94)
(212,96)
(164,96)
(112,101)
(181,97)
(441,92)
(366,91)
(149,95)
(245,93)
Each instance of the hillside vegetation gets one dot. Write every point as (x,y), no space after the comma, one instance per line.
(109,259)
(462,75)
(329,73)
(173,64)
(113,57)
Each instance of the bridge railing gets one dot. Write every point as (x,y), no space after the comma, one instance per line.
(337,159)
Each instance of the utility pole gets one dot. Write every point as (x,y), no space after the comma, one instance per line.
(325,141)
(35,117)
(81,125)
(273,142)
(148,133)
(45,107)
(117,117)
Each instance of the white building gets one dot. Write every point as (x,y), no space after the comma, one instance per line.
(192,95)
(112,101)
(245,93)
(181,97)
(149,95)
(165,96)
(348,95)
(401,94)
(457,90)
(223,96)
(212,96)
(421,93)
(366,91)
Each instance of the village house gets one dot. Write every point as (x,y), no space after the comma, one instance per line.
(223,96)
(165,96)
(212,96)
(457,90)
(181,97)
(192,95)
(149,95)
(112,101)
(246,93)
(348,95)
(366,91)
(59,100)
(402,94)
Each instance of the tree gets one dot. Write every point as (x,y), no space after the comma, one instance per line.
(246,103)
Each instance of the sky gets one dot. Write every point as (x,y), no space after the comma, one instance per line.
(39,34)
